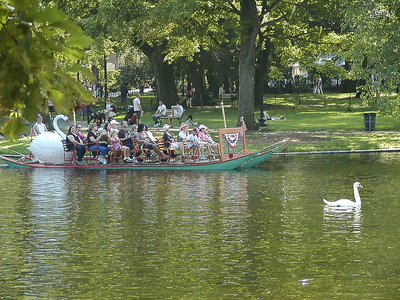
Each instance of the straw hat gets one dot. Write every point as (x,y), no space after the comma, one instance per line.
(183,125)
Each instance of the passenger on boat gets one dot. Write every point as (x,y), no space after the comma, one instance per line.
(194,143)
(95,143)
(27,159)
(150,135)
(114,125)
(80,133)
(74,141)
(214,145)
(126,140)
(143,139)
(107,128)
(169,140)
(183,133)
(133,130)
(39,127)
(117,146)
(203,140)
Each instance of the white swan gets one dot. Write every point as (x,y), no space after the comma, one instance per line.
(347,202)
(47,146)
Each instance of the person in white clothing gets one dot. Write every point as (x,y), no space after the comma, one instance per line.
(39,127)
(193,143)
(183,133)
(161,111)
(177,111)
(221,92)
(137,108)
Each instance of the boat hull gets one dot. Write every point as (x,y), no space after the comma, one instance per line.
(258,159)
(231,164)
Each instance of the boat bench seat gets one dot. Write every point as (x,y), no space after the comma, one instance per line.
(69,154)
(169,151)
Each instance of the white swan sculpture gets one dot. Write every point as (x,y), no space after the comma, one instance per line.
(347,202)
(47,146)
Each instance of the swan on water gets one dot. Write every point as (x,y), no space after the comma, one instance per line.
(47,146)
(347,202)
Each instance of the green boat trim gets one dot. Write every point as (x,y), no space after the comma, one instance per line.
(258,159)
(230,164)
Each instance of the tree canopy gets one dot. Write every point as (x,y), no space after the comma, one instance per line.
(372,45)
(45,45)
(35,42)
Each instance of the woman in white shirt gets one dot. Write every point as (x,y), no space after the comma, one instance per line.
(39,126)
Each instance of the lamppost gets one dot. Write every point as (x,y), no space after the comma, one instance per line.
(105,80)
(261,120)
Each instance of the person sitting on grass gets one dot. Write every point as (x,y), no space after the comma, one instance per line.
(189,120)
(267,117)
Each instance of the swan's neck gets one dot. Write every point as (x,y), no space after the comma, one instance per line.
(357,195)
(57,129)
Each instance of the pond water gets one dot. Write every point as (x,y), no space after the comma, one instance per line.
(256,234)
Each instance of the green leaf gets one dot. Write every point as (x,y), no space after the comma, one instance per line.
(12,128)
(73,54)
(49,15)
(68,26)
(79,41)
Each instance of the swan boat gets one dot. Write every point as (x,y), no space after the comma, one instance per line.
(233,156)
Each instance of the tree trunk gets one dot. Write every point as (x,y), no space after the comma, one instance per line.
(248,52)
(163,72)
(200,96)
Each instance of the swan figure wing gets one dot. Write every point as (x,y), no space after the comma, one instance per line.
(47,146)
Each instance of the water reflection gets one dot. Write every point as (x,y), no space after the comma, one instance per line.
(348,219)
(257,233)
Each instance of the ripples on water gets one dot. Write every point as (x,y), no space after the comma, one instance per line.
(256,234)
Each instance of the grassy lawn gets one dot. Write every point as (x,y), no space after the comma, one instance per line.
(313,123)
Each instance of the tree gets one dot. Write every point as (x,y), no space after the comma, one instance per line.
(242,28)
(372,48)
(121,24)
(34,42)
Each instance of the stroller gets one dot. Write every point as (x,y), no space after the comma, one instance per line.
(130,117)
(98,117)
